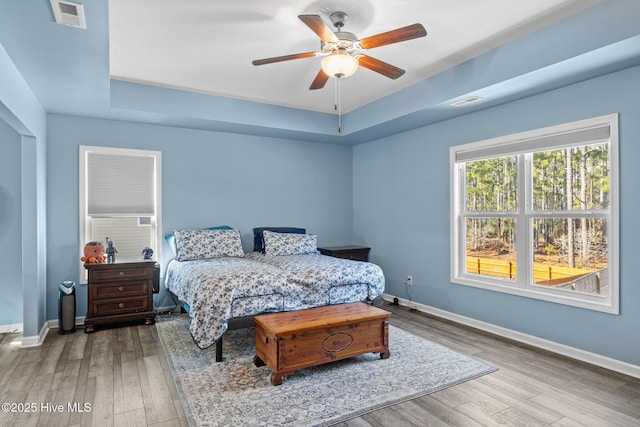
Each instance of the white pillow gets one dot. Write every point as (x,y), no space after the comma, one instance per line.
(276,244)
(205,244)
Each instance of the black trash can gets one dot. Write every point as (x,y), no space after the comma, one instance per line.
(67,307)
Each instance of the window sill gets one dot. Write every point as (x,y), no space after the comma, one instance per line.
(590,302)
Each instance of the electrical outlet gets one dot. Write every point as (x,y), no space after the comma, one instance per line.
(409,280)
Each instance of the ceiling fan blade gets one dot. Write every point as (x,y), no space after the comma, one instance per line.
(394,36)
(320,80)
(319,27)
(283,58)
(381,67)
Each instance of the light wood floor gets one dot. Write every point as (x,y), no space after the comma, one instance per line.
(122,373)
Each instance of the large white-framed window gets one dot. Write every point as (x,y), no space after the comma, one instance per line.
(535,214)
(120,199)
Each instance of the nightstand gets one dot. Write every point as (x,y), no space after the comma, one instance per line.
(356,253)
(119,292)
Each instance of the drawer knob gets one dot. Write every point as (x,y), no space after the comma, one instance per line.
(121,288)
(121,273)
(121,305)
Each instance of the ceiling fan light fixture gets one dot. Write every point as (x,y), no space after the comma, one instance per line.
(339,64)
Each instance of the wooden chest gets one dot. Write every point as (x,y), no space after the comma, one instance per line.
(293,340)
(119,292)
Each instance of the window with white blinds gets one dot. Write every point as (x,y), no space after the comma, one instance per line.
(120,193)
(535,214)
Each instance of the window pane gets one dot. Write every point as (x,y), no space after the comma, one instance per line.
(491,185)
(491,247)
(128,236)
(571,254)
(575,178)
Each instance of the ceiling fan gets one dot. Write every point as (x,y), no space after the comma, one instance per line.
(343,52)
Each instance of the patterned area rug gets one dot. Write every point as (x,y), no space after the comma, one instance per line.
(234,392)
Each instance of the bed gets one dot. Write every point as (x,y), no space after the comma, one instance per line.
(223,288)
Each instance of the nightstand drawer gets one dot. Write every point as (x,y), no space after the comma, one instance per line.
(120,289)
(110,307)
(104,274)
(355,253)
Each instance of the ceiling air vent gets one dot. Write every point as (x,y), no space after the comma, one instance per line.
(466,101)
(68,13)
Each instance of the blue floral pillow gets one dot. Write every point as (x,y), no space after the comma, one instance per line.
(289,244)
(205,244)
(171,239)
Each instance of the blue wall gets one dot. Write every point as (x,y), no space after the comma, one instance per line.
(10,226)
(401,209)
(208,179)
(21,110)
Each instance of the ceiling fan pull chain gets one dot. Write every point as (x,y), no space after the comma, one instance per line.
(338,105)
(335,95)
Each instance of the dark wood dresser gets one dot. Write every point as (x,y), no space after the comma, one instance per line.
(356,253)
(119,292)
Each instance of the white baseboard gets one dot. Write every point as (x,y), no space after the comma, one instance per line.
(53,323)
(565,350)
(9,329)
(36,340)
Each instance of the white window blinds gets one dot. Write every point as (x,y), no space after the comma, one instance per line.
(590,135)
(120,185)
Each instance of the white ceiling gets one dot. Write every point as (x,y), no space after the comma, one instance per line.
(207,46)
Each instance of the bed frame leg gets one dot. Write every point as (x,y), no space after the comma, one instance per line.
(219,350)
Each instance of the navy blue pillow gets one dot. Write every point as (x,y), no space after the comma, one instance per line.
(258,235)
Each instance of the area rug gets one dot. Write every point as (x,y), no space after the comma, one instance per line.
(235,392)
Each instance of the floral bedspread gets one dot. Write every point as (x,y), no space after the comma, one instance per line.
(211,286)
(329,274)
(219,289)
